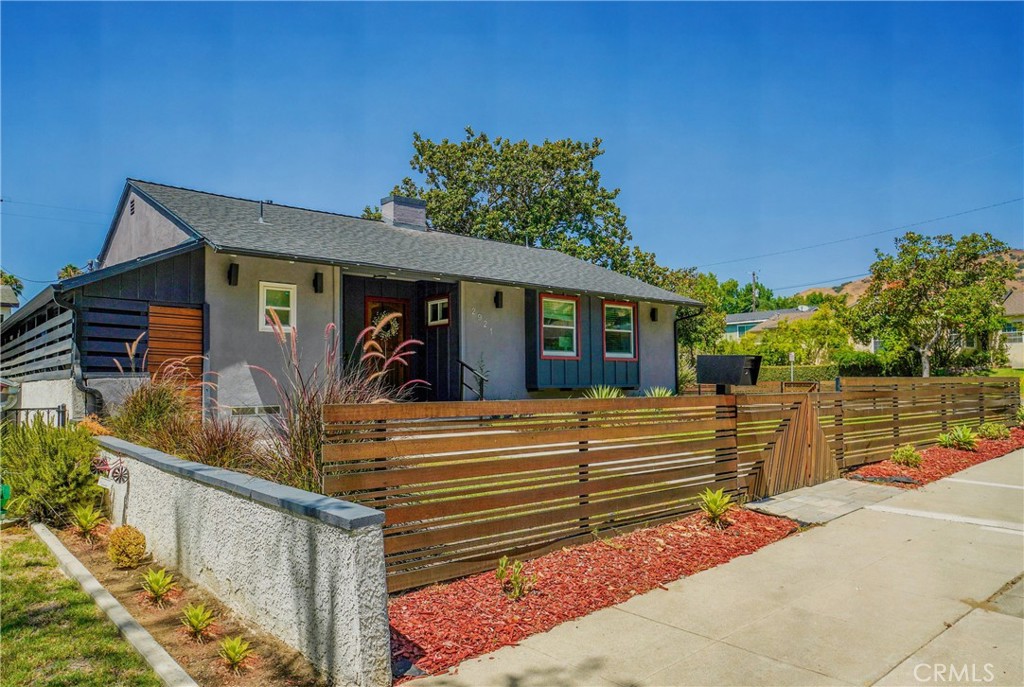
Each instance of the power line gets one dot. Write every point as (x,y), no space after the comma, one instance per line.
(52,219)
(832,280)
(52,207)
(860,236)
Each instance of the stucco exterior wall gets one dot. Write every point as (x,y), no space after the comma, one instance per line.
(236,343)
(145,232)
(303,567)
(495,337)
(51,393)
(657,346)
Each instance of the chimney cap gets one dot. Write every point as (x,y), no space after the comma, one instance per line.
(403,200)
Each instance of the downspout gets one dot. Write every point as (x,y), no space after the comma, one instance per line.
(675,339)
(76,358)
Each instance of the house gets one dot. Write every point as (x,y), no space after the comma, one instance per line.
(1013,331)
(8,301)
(198,273)
(738,324)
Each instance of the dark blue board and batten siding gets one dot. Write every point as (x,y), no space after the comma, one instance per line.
(591,369)
(113,312)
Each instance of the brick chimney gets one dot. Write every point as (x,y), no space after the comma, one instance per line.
(409,213)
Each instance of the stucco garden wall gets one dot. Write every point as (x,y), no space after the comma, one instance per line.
(307,568)
(51,393)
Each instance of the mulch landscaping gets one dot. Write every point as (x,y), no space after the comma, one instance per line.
(438,627)
(274,663)
(937,462)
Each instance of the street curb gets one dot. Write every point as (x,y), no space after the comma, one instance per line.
(165,667)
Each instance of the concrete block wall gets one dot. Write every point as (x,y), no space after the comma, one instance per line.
(304,567)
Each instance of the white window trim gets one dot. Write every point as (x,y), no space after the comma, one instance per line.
(631,331)
(266,326)
(574,328)
(440,322)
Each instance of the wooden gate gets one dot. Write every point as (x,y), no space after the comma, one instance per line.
(175,333)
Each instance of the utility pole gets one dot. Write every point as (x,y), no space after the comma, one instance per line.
(754,291)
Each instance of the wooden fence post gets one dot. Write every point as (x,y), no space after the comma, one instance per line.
(838,422)
(584,468)
(727,457)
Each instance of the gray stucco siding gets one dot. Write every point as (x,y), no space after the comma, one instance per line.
(494,338)
(657,346)
(236,344)
(142,233)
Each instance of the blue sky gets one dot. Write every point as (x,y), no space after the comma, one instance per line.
(733,130)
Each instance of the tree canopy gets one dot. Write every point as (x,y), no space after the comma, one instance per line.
(69,270)
(9,279)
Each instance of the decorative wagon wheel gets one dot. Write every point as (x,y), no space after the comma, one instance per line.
(119,473)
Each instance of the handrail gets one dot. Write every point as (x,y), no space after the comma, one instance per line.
(481,380)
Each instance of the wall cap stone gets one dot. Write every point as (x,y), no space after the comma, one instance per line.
(332,511)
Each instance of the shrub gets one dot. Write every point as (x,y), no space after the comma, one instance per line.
(658,392)
(126,547)
(686,374)
(960,437)
(906,455)
(715,505)
(514,583)
(158,584)
(198,620)
(603,391)
(49,470)
(86,518)
(1020,415)
(850,363)
(152,410)
(801,373)
(224,441)
(233,651)
(92,424)
(993,430)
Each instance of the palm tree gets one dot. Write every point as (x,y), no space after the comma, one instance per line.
(68,271)
(8,279)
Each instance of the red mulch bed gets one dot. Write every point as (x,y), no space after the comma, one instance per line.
(937,462)
(440,626)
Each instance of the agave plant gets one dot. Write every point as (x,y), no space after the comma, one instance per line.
(960,437)
(715,505)
(658,392)
(603,391)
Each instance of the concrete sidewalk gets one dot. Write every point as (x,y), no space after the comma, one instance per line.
(868,598)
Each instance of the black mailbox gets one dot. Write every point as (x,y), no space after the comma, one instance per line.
(738,370)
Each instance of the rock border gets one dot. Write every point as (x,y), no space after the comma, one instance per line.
(166,668)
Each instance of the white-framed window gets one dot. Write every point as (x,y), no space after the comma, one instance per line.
(619,331)
(437,311)
(559,326)
(280,299)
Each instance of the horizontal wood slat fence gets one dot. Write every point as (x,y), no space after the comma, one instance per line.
(464,483)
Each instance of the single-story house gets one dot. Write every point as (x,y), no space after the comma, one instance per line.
(199,272)
(1013,331)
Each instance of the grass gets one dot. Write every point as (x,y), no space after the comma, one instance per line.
(53,633)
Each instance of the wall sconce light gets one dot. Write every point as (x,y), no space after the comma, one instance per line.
(318,282)
(654,314)
(499,299)
(233,274)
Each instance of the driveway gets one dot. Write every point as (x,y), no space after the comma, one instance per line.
(915,589)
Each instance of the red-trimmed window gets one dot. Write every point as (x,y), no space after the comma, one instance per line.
(560,327)
(619,331)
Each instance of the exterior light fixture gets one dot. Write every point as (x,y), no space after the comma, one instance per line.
(233,274)
(499,299)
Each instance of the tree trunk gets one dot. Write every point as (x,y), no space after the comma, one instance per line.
(926,363)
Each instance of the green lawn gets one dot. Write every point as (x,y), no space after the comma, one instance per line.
(51,631)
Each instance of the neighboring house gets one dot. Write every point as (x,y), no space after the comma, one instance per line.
(198,272)
(738,324)
(1013,333)
(8,301)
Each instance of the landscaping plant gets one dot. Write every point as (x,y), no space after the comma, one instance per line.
(221,440)
(658,392)
(1020,416)
(86,518)
(906,455)
(49,469)
(157,585)
(126,547)
(603,391)
(993,430)
(198,620)
(234,651)
(92,424)
(715,505)
(960,437)
(514,583)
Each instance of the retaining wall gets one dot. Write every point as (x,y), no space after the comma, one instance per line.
(304,567)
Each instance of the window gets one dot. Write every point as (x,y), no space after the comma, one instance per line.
(238,411)
(280,299)
(559,327)
(437,312)
(619,331)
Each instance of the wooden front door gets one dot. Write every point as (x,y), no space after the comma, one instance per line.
(394,333)
(176,333)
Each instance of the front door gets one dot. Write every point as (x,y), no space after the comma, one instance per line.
(394,333)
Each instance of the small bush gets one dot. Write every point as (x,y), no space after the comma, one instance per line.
(800,373)
(92,424)
(126,547)
(233,651)
(1020,416)
(155,405)
(49,470)
(658,392)
(906,455)
(960,437)
(514,583)
(198,620)
(86,518)
(158,584)
(603,391)
(715,505)
(993,430)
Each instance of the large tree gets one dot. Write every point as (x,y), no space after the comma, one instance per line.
(68,271)
(547,195)
(932,287)
(8,279)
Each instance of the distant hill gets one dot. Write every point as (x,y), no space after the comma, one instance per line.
(853,290)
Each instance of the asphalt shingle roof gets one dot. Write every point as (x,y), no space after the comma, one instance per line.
(231,224)
(761,315)
(7,296)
